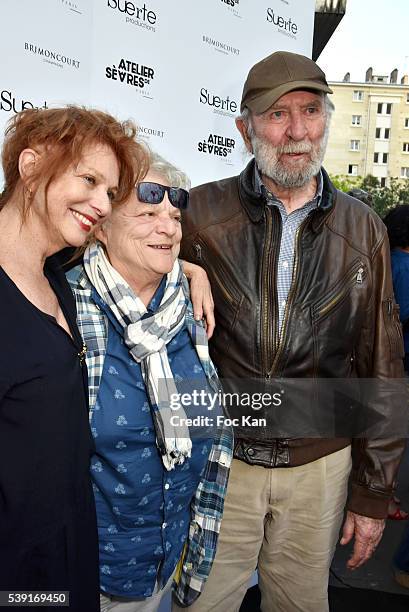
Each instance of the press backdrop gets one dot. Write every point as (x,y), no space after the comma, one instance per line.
(176,67)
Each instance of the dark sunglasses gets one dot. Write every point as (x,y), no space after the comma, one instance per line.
(153,193)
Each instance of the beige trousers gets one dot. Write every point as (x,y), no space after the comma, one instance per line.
(286,522)
(124,604)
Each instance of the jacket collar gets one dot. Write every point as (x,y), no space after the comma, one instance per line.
(329,196)
(254,202)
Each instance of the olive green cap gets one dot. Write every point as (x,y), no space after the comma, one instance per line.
(278,74)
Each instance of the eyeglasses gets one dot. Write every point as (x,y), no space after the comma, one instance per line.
(153,193)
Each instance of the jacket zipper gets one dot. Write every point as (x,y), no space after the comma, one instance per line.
(290,298)
(356,277)
(269,306)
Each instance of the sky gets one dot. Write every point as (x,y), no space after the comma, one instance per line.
(372,33)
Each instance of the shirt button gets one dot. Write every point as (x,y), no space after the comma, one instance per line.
(167,486)
(285,264)
(164,525)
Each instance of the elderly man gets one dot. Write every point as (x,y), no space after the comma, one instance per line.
(300,274)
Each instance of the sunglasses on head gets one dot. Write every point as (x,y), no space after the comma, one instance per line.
(153,193)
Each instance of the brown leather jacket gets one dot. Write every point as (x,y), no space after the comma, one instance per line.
(235,236)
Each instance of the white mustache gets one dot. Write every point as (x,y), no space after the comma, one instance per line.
(295,147)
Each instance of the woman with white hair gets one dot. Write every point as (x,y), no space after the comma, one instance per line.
(158,483)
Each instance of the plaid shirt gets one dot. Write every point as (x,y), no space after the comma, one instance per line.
(207,505)
(290,222)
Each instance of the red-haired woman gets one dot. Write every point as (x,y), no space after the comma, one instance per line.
(63,168)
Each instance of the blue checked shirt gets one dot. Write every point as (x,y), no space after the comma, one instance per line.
(290,223)
(207,504)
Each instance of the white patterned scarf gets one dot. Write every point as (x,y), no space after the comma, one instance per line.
(146,339)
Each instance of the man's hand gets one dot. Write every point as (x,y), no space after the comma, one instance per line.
(367,532)
(201,295)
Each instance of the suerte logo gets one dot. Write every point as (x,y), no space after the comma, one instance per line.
(52,57)
(221,105)
(220,46)
(216,145)
(9,102)
(130,73)
(140,16)
(285,25)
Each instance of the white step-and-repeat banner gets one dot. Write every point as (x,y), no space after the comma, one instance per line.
(176,67)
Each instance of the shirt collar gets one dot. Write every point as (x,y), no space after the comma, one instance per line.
(259,187)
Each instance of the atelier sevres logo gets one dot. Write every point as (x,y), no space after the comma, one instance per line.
(73,6)
(232,5)
(219,146)
(231,2)
(51,56)
(222,106)
(140,16)
(285,25)
(133,74)
(11,103)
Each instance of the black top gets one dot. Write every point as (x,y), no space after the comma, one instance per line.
(48,537)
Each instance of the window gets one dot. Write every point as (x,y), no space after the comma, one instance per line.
(358,95)
(386,133)
(383,182)
(356,119)
(353,169)
(354,146)
(404,172)
(406,122)
(406,147)
(407,98)
(380,158)
(384,108)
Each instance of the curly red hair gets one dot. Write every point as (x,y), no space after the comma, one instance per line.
(62,134)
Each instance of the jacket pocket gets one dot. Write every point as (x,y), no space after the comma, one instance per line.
(355,277)
(216,272)
(390,311)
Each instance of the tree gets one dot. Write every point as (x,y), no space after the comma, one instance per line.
(384,198)
(345,183)
(370,182)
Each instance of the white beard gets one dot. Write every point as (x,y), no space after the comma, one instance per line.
(269,163)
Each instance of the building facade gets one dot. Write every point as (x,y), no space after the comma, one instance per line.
(370,128)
